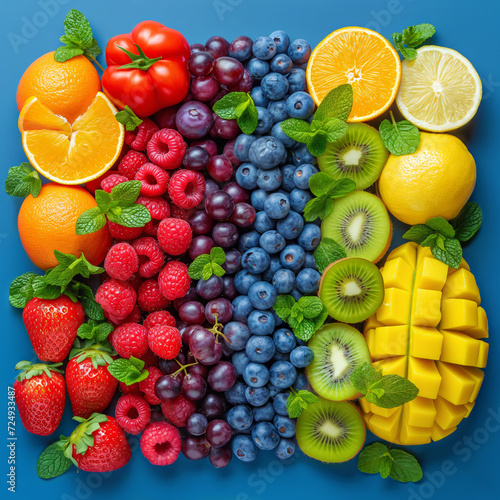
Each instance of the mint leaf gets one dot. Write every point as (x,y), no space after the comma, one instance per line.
(320,319)
(125,370)
(21,289)
(405,467)
(22,181)
(195,269)
(135,215)
(94,330)
(336,104)
(305,329)
(321,184)
(318,207)
(283,306)
(418,233)
(311,306)
(217,270)
(93,51)
(365,376)
(86,297)
(125,193)
(399,138)
(226,107)
(63,54)
(298,401)
(128,118)
(217,255)
(468,221)
(204,266)
(77,28)
(341,188)
(248,120)
(90,221)
(429,241)
(317,143)
(52,462)
(373,458)
(450,255)
(414,36)
(391,391)
(335,129)
(206,272)
(69,266)
(327,252)
(442,226)
(298,130)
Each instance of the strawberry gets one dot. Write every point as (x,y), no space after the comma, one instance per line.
(52,325)
(90,385)
(40,394)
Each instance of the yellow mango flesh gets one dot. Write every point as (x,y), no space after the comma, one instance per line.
(429,330)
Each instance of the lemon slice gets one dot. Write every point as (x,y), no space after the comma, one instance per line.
(440,90)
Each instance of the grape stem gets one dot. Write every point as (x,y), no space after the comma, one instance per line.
(182,367)
(217,330)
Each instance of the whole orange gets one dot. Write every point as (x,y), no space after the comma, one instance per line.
(47,223)
(66,88)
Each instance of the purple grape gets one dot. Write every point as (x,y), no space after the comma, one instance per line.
(213,406)
(165,118)
(229,291)
(237,193)
(222,376)
(218,97)
(157,415)
(201,343)
(196,424)
(194,120)
(225,234)
(211,288)
(186,334)
(218,433)
(215,357)
(190,295)
(241,48)
(168,366)
(220,457)
(208,145)
(229,153)
(226,350)
(200,63)
(243,215)
(195,447)
(196,158)
(220,168)
(168,387)
(200,245)
(194,386)
(226,129)
(217,46)
(222,307)
(219,205)
(192,313)
(227,70)
(199,369)
(200,222)
(245,83)
(204,88)
(233,261)
(197,47)
(211,187)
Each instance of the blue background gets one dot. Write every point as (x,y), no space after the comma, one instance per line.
(460,466)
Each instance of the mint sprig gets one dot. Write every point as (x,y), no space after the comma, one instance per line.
(128,371)
(128,118)
(397,464)
(298,401)
(401,138)
(78,39)
(205,265)
(326,190)
(94,330)
(118,206)
(385,391)
(304,316)
(328,124)
(22,181)
(327,252)
(411,38)
(238,106)
(53,462)
(445,238)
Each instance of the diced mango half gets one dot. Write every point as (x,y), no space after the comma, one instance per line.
(395,309)
(426,307)
(397,273)
(425,342)
(481,330)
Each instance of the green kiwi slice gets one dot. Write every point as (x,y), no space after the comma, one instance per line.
(331,431)
(360,156)
(338,350)
(360,222)
(352,289)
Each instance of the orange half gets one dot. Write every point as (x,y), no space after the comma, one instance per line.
(363,58)
(71,154)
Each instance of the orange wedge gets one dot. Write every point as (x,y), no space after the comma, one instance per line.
(71,154)
(363,58)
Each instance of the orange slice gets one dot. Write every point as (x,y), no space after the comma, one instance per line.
(363,58)
(71,154)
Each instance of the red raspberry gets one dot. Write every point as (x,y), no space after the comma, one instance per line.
(158,208)
(154,180)
(159,318)
(150,359)
(174,236)
(178,409)
(165,118)
(120,232)
(147,386)
(121,261)
(174,280)
(161,443)
(111,181)
(186,188)
(181,213)
(151,258)
(130,389)
(91,186)
(117,298)
(149,297)
(132,413)
(131,163)
(139,138)
(165,341)
(133,317)
(166,148)
(130,339)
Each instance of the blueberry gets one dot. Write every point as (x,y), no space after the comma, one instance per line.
(264,48)
(246,176)
(240,48)
(240,417)
(265,436)
(301,383)
(273,390)
(240,361)
(281,356)
(277,320)
(291,226)
(269,180)
(243,448)
(255,261)
(303,174)
(236,395)
(307,281)
(284,340)
(241,308)
(279,403)
(299,199)
(243,280)
(300,154)
(277,206)
(297,80)
(237,334)
(284,425)
(283,280)
(281,63)
(248,240)
(265,120)
(257,396)
(281,39)
(257,68)
(274,265)
(262,295)
(278,110)
(292,257)
(274,86)
(258,97)
(272,242)
(264,413)
(282,374)
(260,349)
(256,374)
(277,132)
(296,295)
(267,152)
(287,172)
(242,146)
(285,449)
(300,105)
(261,322)
(299,51)
(263,223)
(301,356)
(310,237)
(257,198)
(310,261)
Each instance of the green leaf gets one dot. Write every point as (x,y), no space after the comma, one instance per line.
(452,253)
(63,54)
(298,401)
(42,290)
(418,233)
(226,107)
(327,252)
(400,138)
(372,458)
(128,118)
(335,129)
(342,187)
(468,221)
(391,391)
(336,104)
(195,269)
(320,319)
(93,51)
(127,371)
(52,462)
(126,193)
(305,330)
(217,255)
(414,36)
(311,306)
(283,306)
(442,226)
(86,297)
(321,184)
(135,215)
(248,120)
(298,130)
(206,272)
(317,143)
(21,289)
(365,376)
(217,270)
(90,221)
(77,28)
(405,467)
(69,267)
(318,207)
(22,181)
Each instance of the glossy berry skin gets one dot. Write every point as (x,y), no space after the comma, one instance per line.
(196,424)
(219,205)
(247,175)
(255,261)
(272,242)
(218,433)
(283,280)
(291,226)
(248,240)
(265,436)
(301,357)
(241,308)
(297,80)
(243,215)
(281,63)
(242,146)
(244,280)
(284,340)
(196,158)
(267,152)
(260,349)
(299,199)
(194,120)
(264,48)
(52,326)
(265,120)
(217,46)
(263,223)
(274,86)
(222,377)
(277,205)
(281,39)
(236,395)
(257,68)
(240,417)
(286,448)
(200,63)
(303,174)
(255,374)
(307,281)
(130,339)
(300,105)
(220,457)
(161,443)
(262,295)
(310,237)
(244,448)
(132,413)
(261,322)
(227,70)
(258,97)
(299,51)
(240,48)
(282,374)
(178,410)
(195,447)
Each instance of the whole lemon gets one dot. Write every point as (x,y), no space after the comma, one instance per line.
(434,181)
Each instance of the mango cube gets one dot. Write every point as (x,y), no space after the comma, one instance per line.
(481,330)
(371,323)
(407,252)
(424,374)
(438,433)
(457,386)
(392,366)
(458,314)
(482,358)
(448,415)
(469,407)
(459,348)
(389,341)
(426,308)
(395,309)
(425,342)
(477,376)
(431,274)
(385,427)
(412,435)
(397,273)
(420,412)
(462,285)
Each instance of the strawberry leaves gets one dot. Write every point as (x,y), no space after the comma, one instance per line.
(29,370)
